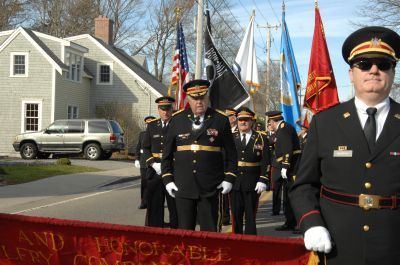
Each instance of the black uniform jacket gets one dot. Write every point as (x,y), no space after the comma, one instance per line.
(287,148)
(253,161)
(139,150)
(194,159)
(337,156)
(153,142)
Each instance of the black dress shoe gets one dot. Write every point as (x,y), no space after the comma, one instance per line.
(285,227)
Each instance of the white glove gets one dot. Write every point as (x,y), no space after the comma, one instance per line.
(171,188)
(157,168)
(317,238)
(260,187)
(284,173)
(226,187)
(137,164)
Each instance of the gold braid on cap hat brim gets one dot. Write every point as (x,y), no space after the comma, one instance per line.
(245,114)
(197,90)
(373,46)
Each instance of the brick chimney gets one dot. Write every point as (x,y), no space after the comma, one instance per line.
(103,29)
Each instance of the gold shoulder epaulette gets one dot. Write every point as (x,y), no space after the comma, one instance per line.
(153,120)
(282,125)
(178,111)
(262,132)
(221,112)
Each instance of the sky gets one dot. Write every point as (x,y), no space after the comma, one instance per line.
(336,17)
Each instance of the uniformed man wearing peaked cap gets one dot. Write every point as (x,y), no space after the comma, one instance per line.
(153,147)
(193,161)
(347,191)
(226,213)
(231,113)
(140,163)
(253,169)
(287,157)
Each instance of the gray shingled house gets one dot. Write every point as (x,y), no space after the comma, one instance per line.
(45,78)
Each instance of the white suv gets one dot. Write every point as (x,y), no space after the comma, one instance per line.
(96,138)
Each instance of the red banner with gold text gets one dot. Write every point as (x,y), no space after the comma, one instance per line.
(26,240)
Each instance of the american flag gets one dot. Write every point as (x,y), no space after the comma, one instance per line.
(180,69)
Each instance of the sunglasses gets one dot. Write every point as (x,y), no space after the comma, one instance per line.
(366,64)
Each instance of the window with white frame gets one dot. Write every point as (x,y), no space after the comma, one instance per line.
(32,116)
(104,74)
(74,63)
(19,64)
(73,112)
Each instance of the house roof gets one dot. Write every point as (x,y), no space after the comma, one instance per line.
(46,49)
(158,88)
(37,43)
(137,68)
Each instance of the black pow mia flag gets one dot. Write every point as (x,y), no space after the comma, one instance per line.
(226,89)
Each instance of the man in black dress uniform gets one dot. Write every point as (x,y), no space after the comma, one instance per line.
(140,163)
(287,156)
(153,146)
(225,198)
(199,144)
(253,168)
(231,113)
(348,184)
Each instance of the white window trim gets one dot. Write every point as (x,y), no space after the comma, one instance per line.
(23,111)
(69,67)
(77,110)
(98,73)
(12,54)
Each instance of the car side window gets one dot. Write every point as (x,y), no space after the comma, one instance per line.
(98,127)
(76,126)
(57,127)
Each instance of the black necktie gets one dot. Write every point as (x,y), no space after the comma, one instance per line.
(244,140)
(197,120)
(164,127)
(370,128)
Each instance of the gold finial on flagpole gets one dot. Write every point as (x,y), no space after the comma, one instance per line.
(178,13)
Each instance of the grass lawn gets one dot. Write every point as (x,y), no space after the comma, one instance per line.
(16,174)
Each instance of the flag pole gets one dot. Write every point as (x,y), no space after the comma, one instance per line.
(178,11)
(199,40)
(252,91)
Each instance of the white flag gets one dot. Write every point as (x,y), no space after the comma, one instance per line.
(245,62)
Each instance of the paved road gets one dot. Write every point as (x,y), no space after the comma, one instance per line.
(109,196)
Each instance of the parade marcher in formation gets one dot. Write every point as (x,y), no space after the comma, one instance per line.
(346,193)
(153,147)
(253,168)
(140,163)
(287,156)
(226,211)
(231,113)
(302,136)
(199,144)
(276,179)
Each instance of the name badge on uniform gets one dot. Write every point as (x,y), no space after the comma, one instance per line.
(183,136)
(156,136)
(342,152)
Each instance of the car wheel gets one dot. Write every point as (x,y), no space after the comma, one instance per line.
(41,155)
(29,151)
(93,151)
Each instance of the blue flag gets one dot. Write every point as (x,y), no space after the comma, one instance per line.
(290,79)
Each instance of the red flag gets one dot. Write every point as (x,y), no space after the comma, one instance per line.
(180,68)
(321,90)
